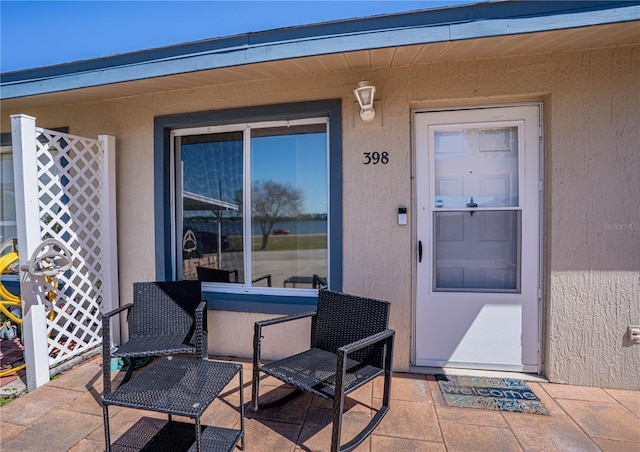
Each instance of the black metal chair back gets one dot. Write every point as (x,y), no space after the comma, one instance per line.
(165,307)
(342,319)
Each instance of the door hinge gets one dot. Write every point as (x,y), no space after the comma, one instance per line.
(539,294)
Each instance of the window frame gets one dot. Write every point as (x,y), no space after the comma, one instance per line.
(247,300)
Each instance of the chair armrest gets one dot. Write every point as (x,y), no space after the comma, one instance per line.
(106,327)
(200,334)
(341,361)
(257,332)
(106,345)
(287,318)
(365,342)
(118,310)
(201,315)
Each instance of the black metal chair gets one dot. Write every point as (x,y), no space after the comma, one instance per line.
(165,318)
(351,345)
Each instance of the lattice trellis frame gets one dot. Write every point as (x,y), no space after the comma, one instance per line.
(69,172)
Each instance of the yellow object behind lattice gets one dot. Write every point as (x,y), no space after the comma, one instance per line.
(8,299)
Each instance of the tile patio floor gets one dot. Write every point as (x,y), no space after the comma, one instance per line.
(66,415)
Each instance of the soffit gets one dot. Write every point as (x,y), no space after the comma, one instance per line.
(625,33)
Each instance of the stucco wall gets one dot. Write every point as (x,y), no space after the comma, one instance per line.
(592,167)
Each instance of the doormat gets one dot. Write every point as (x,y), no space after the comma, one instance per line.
(486,393)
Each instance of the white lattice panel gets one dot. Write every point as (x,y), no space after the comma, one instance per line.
(69,193)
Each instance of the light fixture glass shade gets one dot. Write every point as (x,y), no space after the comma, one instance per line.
(365,94)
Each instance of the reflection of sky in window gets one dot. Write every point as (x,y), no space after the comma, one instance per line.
(298,160)
(214,168)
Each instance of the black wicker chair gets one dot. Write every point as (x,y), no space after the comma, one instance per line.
(350,346)
(165,318)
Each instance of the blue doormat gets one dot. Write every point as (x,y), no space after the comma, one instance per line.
(498,394)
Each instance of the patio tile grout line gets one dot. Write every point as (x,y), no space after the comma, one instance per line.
(555,400)
(515,437)
(435,411)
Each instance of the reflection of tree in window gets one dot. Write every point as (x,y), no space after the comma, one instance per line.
(271,202)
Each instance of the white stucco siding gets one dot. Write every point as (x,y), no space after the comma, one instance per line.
(592,163)
(593,246)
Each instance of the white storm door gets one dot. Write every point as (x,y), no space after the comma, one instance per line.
(478,230)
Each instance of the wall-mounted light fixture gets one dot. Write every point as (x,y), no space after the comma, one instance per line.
(364,94)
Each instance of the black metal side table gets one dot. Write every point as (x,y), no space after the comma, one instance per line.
(182,387)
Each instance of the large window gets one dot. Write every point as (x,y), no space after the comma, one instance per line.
(252,204)
(251,198)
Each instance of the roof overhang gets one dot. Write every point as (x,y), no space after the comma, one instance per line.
(195,201)
(473,31)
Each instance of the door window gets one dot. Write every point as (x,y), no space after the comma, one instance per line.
(476,208)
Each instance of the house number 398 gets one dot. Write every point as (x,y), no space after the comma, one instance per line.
(373,158)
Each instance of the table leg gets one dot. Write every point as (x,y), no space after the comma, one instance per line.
(198,435)
(241,411)
(107,438)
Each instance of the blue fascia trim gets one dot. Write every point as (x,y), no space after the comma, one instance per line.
(163,125)
(420,27)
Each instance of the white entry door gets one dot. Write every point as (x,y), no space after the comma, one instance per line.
(478,229)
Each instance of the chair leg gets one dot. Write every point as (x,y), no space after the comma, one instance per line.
(129,373)
(107,435)
(386,399)
(106,375)
(338,408)
(338,400)
(355,442)
(255,383)
(255,387)
(255,393)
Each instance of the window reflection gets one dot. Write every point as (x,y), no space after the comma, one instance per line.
(286,215)
(212,237)
(289,204)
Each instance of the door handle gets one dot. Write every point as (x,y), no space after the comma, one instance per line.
(419,250)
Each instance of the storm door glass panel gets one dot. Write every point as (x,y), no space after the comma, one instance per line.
(478,163)
(7,196)
(477,215)
(212,220)
(479,252)
(289,208)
